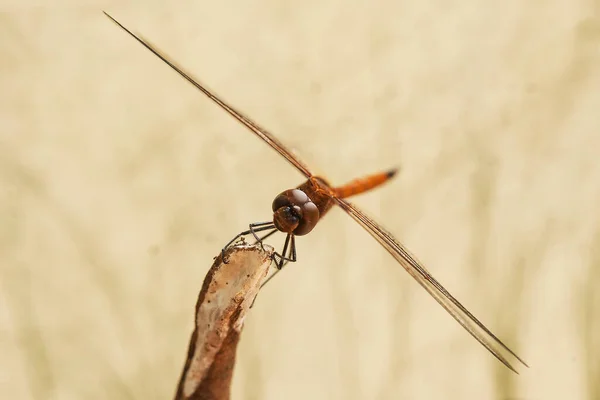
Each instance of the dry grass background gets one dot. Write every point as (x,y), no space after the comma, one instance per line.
(119,183)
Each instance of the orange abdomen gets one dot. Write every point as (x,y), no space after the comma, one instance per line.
(361,185)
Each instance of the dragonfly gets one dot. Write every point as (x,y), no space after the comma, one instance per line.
(297,211)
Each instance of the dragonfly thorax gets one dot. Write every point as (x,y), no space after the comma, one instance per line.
(294,212)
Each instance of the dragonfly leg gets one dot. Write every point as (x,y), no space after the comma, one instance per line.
(254,227)
(290,241)
(262,238)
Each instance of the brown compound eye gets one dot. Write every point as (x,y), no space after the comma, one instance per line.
(294,212)
(292,197)
(281,200)
(310,217)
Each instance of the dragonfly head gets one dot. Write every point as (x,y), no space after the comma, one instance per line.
(294,212)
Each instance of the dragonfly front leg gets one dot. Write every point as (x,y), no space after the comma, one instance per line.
(254,227)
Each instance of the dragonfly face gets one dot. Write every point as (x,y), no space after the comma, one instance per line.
(295,212)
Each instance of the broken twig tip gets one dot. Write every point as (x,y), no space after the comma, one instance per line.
(227,293)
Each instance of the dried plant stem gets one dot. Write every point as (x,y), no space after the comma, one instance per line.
(227,293)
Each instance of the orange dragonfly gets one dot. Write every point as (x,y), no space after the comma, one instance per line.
(297,211)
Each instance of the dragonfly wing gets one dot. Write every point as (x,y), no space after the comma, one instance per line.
(253,126)
(434,288)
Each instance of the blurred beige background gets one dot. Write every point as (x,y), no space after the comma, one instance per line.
(119,183)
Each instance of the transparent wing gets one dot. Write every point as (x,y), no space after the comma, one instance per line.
(434,288)
(254,127)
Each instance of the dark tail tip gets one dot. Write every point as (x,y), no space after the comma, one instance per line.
(392,172)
